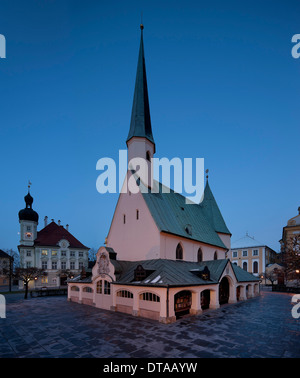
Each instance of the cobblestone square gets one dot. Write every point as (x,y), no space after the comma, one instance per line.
(53,327)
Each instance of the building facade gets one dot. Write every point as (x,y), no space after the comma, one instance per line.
(163,257)
(53,249)
(5,265)
(252,255)
(290,231)
(290,250)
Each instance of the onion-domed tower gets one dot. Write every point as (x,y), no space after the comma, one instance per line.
(28,219)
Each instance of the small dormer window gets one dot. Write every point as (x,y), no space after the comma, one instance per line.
(188,229)
(140,273)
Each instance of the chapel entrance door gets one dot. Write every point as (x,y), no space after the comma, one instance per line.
(182,303)
(224,291)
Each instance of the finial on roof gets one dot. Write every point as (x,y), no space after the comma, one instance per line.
(207,173)
(29,185)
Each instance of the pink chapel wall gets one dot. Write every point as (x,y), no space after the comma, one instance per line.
(133,239)
(168,244)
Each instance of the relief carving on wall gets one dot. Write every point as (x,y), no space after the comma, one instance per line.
(103,264)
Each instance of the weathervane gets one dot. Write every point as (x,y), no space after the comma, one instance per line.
(142,26)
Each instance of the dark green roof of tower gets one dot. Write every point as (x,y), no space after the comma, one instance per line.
(140,125)
(212,211)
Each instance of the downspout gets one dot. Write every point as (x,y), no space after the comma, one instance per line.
(167,302)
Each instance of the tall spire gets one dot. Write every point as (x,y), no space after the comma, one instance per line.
(140,125)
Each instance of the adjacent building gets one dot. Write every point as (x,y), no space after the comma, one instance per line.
(251,255)
(53,249)
(5,265)
(290,250)
(163,257)
(290,231)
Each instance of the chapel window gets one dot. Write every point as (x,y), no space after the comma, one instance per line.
(179,252)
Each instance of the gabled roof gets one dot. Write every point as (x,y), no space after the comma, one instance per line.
(212,211)
(53,233)
(173,215)
(140,125)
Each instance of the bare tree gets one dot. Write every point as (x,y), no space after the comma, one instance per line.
(26,275)
(272,276)
(92,254)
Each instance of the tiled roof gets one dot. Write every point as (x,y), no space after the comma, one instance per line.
(246,242)
(242,275)
(172,215)
(163,272)
(53,233)
(212,211)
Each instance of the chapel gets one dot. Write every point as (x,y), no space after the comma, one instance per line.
(163,257)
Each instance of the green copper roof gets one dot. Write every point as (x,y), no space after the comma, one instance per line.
(140,125)
(164,272)
(212,211)
(172,215)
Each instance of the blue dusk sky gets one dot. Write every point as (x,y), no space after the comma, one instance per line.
(223,86)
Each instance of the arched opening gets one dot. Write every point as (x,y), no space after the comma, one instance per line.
(87,289)
(245,266)
(205,299)
(148,156)
(247,292)
(182,303)
(215,255)
(200,255)
(224,291)
(179,252)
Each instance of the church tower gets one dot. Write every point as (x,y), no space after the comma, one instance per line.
(140,142)
(28,219)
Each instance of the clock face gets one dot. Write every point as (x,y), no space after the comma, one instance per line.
(28,235)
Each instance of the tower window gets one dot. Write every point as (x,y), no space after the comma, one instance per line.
(215,255)
(124,218)
(148,156)
(137,214)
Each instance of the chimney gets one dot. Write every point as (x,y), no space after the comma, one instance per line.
(67,227)
(45,221)
(58,222)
